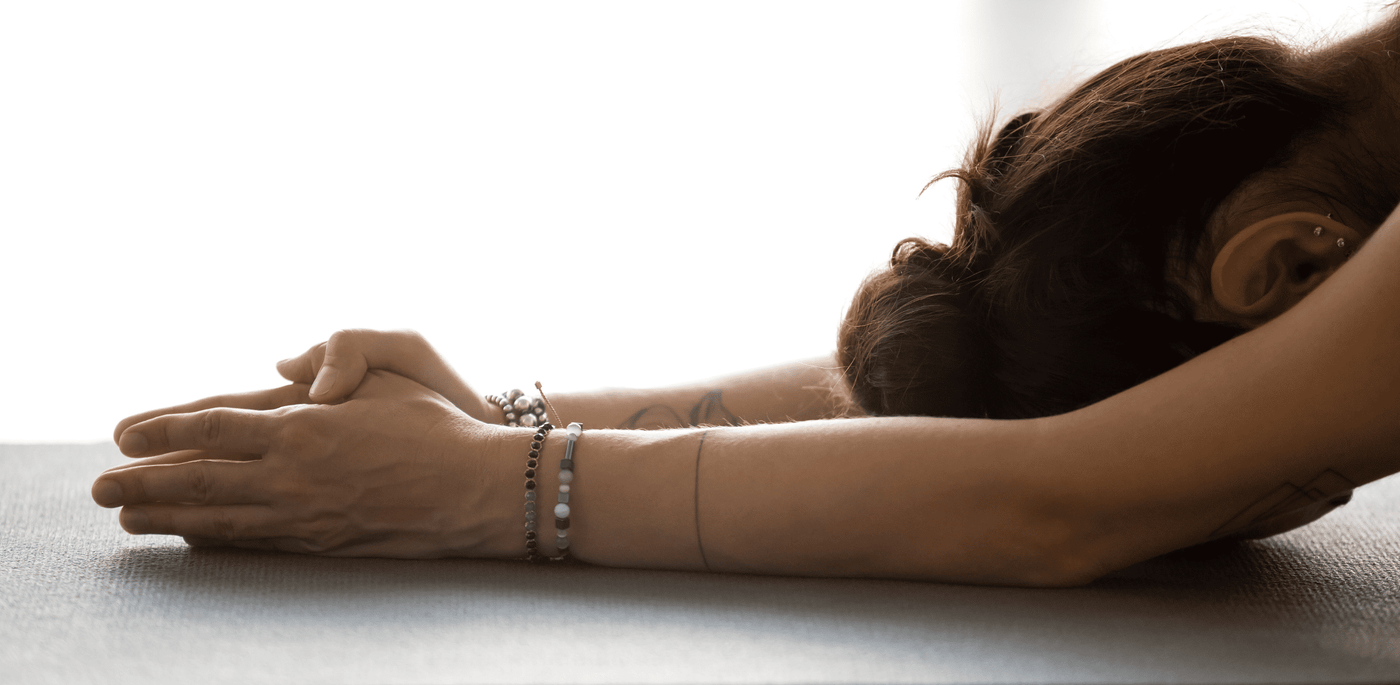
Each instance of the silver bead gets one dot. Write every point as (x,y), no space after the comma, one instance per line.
(562,543)
(528,420)
(510,416)
(521,404)
(561,532)
(514,393)
(1317,231)
(561,511)
(575,429)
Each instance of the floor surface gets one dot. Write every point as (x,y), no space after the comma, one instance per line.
(82,602)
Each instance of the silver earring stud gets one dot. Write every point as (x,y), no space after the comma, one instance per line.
(1317,231)
(1342,243)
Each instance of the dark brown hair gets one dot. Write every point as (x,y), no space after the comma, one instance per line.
(1057,289)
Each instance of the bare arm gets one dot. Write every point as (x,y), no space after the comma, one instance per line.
(1276,419)
(1306,406)
(800,391)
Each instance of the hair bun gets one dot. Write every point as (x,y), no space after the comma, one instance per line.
(911,342)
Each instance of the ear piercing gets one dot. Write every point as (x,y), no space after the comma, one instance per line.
(1341,242)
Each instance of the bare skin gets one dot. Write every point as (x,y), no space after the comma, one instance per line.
(1054,501)
(1268,427)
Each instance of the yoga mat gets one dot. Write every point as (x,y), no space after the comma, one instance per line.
(83,602)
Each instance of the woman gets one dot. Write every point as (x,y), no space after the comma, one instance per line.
(1169,204)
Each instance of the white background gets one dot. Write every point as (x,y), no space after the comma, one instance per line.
(587,194)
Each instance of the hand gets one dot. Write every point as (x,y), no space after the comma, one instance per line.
(335,368)
(393,471)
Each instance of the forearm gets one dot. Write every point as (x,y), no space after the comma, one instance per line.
(920,498)
(1278,420)
(799,391)
(1286,416)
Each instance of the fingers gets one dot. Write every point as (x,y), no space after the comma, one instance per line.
(333,368)
(337,367)
(344,364)
(183,456)
(217,430)
(284,396)
(259,544)
(226,523)
(302,368)
(197,482)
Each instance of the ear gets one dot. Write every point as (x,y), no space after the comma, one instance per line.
(1270,265)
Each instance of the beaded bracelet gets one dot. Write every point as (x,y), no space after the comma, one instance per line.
(520,410)
(531,526)
(566,476)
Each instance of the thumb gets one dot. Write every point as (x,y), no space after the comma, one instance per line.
(341,371)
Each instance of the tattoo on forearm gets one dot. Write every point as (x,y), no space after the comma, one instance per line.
(1328,485)
(709,411)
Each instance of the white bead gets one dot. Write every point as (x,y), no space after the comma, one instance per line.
(566,476)
(521,404)
(510,396)
(562,543)
(561,511)
(528,420)
(561,532)
(563,488)
(575,430)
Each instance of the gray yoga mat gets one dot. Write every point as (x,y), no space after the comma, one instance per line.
(85,603)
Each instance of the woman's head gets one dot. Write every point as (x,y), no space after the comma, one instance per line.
(1074,271)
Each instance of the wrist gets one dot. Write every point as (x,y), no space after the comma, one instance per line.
(511,457)
(493,521)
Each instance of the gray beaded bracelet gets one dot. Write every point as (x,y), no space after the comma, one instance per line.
(566,476)
(520,410)
(531,524)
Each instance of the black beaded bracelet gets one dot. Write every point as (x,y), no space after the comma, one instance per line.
(532,496)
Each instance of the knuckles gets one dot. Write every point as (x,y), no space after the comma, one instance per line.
(211,427)
(198,485)
(222,526)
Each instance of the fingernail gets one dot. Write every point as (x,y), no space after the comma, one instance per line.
(135,521)
(324,381)
(107,493)
(132,443)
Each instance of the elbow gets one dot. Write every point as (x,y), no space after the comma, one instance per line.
(1059,552)
(1062,571)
